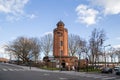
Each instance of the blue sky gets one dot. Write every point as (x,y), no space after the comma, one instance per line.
(35,18)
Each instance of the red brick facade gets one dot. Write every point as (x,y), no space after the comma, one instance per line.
(60,46)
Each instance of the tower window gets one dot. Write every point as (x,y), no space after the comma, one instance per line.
(61,52)
(61,43)
(59,33)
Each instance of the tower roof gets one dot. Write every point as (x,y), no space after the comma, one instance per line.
(60,23)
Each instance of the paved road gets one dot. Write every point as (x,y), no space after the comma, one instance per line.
(96,76)
(14,72)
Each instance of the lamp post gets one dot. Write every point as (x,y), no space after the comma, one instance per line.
(105,53)
(79,61)
(30,62)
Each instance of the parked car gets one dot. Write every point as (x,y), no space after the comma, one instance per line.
(106,70)
(116,68)
(118,71)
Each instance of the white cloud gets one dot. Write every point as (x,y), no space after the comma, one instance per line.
(89,16)
(48,33)
(14,9)
(86,14)
(1,49)
(12,18)
(109,6)
(116,46)
(32,16)
(3,53)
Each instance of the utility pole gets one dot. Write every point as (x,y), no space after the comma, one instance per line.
(105,53)
(79,61)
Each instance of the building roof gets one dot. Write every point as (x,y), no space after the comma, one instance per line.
(60,23)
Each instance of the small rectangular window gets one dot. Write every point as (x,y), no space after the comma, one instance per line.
(61,43)
(58,32)
(61,52)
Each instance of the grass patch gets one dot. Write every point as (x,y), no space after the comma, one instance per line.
(47,68)
(90,70)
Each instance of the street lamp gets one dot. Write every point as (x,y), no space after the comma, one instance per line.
(79,61)
(105,53)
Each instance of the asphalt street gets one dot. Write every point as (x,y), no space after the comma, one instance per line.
(14,72)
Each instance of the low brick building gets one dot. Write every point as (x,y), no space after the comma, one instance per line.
(3,60)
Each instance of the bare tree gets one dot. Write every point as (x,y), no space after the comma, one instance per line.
(96,41)
(36,48)
(85,47)
(73,44)
(24,48)
(46,44)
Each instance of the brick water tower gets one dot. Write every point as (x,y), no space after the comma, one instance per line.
(60,46)
(60,40)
